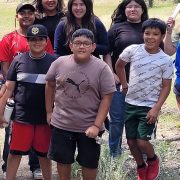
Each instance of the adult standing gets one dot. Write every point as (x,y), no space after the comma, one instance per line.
(13,44)
(125,30)
(49,13)
(80,15)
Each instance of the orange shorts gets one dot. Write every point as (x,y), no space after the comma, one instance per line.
(27,136)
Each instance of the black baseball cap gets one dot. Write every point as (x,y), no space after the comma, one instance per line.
(25,5)
(36,30)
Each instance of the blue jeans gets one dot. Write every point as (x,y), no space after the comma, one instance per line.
(116,125)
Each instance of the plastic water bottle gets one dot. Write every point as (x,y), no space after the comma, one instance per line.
(1,83)
(8,110)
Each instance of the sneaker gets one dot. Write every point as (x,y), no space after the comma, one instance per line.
(153,169)
(142,173)
(37,174)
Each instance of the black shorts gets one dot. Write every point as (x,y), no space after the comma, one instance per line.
(63,146)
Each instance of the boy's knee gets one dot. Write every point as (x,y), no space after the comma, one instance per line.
(142,143)
(132,143)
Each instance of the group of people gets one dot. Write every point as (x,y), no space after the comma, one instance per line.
(63,91)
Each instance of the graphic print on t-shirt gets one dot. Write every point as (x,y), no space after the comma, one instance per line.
(147,72)
(74,84)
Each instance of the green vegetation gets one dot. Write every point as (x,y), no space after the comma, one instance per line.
(122,168)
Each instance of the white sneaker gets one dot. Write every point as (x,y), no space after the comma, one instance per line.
(37,174)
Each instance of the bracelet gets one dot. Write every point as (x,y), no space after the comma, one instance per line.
(96,126)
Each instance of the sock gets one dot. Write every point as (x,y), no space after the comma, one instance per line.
(152,159)
(141,166)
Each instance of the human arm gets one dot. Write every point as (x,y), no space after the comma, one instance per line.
(2,86)
(49,98)
(101,38)
(10,86)
(165,90)
(93,130)
(120,70)
(60,40)
(169,47)
(5,66)
(108,60)
(106,87)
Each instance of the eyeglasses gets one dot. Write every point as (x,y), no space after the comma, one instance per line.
(36,39)
(85,44)
(135,7)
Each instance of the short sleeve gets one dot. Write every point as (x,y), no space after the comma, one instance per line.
(49,47)
(12,72)
(107,82)
(51,74)
(168,70)
(5,54)
(127,54)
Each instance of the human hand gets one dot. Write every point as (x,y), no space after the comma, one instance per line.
(124,90)
(49,115)
(170,24)
(92,131)
(152,115)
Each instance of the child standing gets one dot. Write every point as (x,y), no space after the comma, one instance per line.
(26,79)
(149,85)
(84,87)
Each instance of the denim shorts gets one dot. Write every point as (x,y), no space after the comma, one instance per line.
(176,89)
(63,147)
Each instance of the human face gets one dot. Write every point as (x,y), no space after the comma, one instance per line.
(50,6)
(37,45)
(25,17)
(133,12)
(82,47)
(152,39)
(78,9)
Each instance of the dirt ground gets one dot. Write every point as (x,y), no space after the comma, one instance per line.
(170,169)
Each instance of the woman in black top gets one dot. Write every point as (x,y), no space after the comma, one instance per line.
(49,13)
(125,30)
(80,15)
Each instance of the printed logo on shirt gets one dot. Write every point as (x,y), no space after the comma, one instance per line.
(74,84)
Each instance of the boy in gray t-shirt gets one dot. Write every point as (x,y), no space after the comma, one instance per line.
(80,87)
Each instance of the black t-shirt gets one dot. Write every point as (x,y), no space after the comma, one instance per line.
(50,22)
(29,95)
(120,36)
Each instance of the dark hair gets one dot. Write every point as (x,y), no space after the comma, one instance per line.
(83,32)
(119,13)
(40,9)
(87,20)
(154,23)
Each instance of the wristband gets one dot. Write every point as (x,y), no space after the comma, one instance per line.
(124,87)
(96,126)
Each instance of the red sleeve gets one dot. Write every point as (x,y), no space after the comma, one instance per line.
(49,47)
(5,54)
